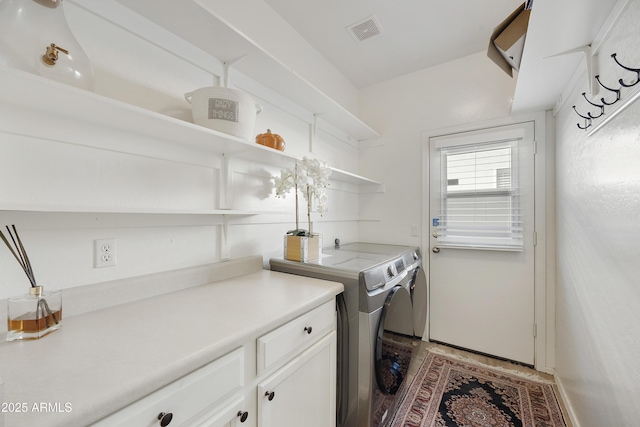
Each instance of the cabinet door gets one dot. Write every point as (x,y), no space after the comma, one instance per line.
(303,392)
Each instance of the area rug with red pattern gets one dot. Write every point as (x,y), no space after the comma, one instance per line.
(450,392)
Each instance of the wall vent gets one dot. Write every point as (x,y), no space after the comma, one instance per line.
(364,29)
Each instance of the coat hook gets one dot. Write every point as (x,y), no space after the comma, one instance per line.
(617,92)
(601,107)
(633,70)
(583,127)
(587,120)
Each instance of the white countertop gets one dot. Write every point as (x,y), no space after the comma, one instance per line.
(103,360)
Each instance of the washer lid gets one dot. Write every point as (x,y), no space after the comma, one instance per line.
(389,251)
(366,261)
(357,263)
(349,260)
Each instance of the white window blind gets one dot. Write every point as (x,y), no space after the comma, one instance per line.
(480,199)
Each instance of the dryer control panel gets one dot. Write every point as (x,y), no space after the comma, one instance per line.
(394,269)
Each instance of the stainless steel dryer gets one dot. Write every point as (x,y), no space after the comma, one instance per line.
(380,314)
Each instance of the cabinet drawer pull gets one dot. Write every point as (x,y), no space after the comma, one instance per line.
(308,329)
(270,395)
(243,415)
(165,418)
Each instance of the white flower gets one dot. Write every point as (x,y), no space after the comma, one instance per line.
(285,182)
(310,176)
(321,207)
(317,173)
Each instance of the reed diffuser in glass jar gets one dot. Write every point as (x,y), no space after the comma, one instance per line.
(37,313)
(34,315)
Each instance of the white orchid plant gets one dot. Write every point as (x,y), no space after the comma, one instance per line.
(309,177)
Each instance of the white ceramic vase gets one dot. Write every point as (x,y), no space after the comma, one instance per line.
(28,27)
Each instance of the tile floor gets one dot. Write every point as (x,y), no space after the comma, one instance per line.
(486,360)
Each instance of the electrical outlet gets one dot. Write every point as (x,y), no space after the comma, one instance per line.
(414,230)
(104,253)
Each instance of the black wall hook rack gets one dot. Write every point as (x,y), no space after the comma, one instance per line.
(589,117)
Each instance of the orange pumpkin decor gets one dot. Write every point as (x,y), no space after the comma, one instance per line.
(272,140)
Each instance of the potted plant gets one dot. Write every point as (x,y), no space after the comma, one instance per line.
(308,177)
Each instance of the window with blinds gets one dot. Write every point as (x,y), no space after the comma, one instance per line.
(480,197)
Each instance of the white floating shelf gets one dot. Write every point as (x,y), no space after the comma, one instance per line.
(80,217)
(110,211)
(31,92)
(201,29)
(351,178)
(39,94)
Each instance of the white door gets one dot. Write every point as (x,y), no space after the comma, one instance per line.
(482,241)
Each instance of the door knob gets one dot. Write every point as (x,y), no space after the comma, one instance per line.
(270,395)
(435,250)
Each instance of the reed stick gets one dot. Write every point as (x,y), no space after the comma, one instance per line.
(32,277)
(20,254)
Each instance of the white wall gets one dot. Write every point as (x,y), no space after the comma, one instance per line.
(91,169)
(598,225)
(471,89)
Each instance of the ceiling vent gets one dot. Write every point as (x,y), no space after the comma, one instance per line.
(364,29)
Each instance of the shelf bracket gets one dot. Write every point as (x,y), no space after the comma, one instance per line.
(591,62)
(225,245)
(225,69)
(225,184)
(314,131)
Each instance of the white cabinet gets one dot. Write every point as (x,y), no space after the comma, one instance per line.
(302,393)
(293,383)
(302,390)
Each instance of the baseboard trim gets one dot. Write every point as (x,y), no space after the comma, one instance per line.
(568,407)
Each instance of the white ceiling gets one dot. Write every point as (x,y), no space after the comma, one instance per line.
(415,34)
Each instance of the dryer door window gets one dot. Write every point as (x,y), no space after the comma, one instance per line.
(394,341)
